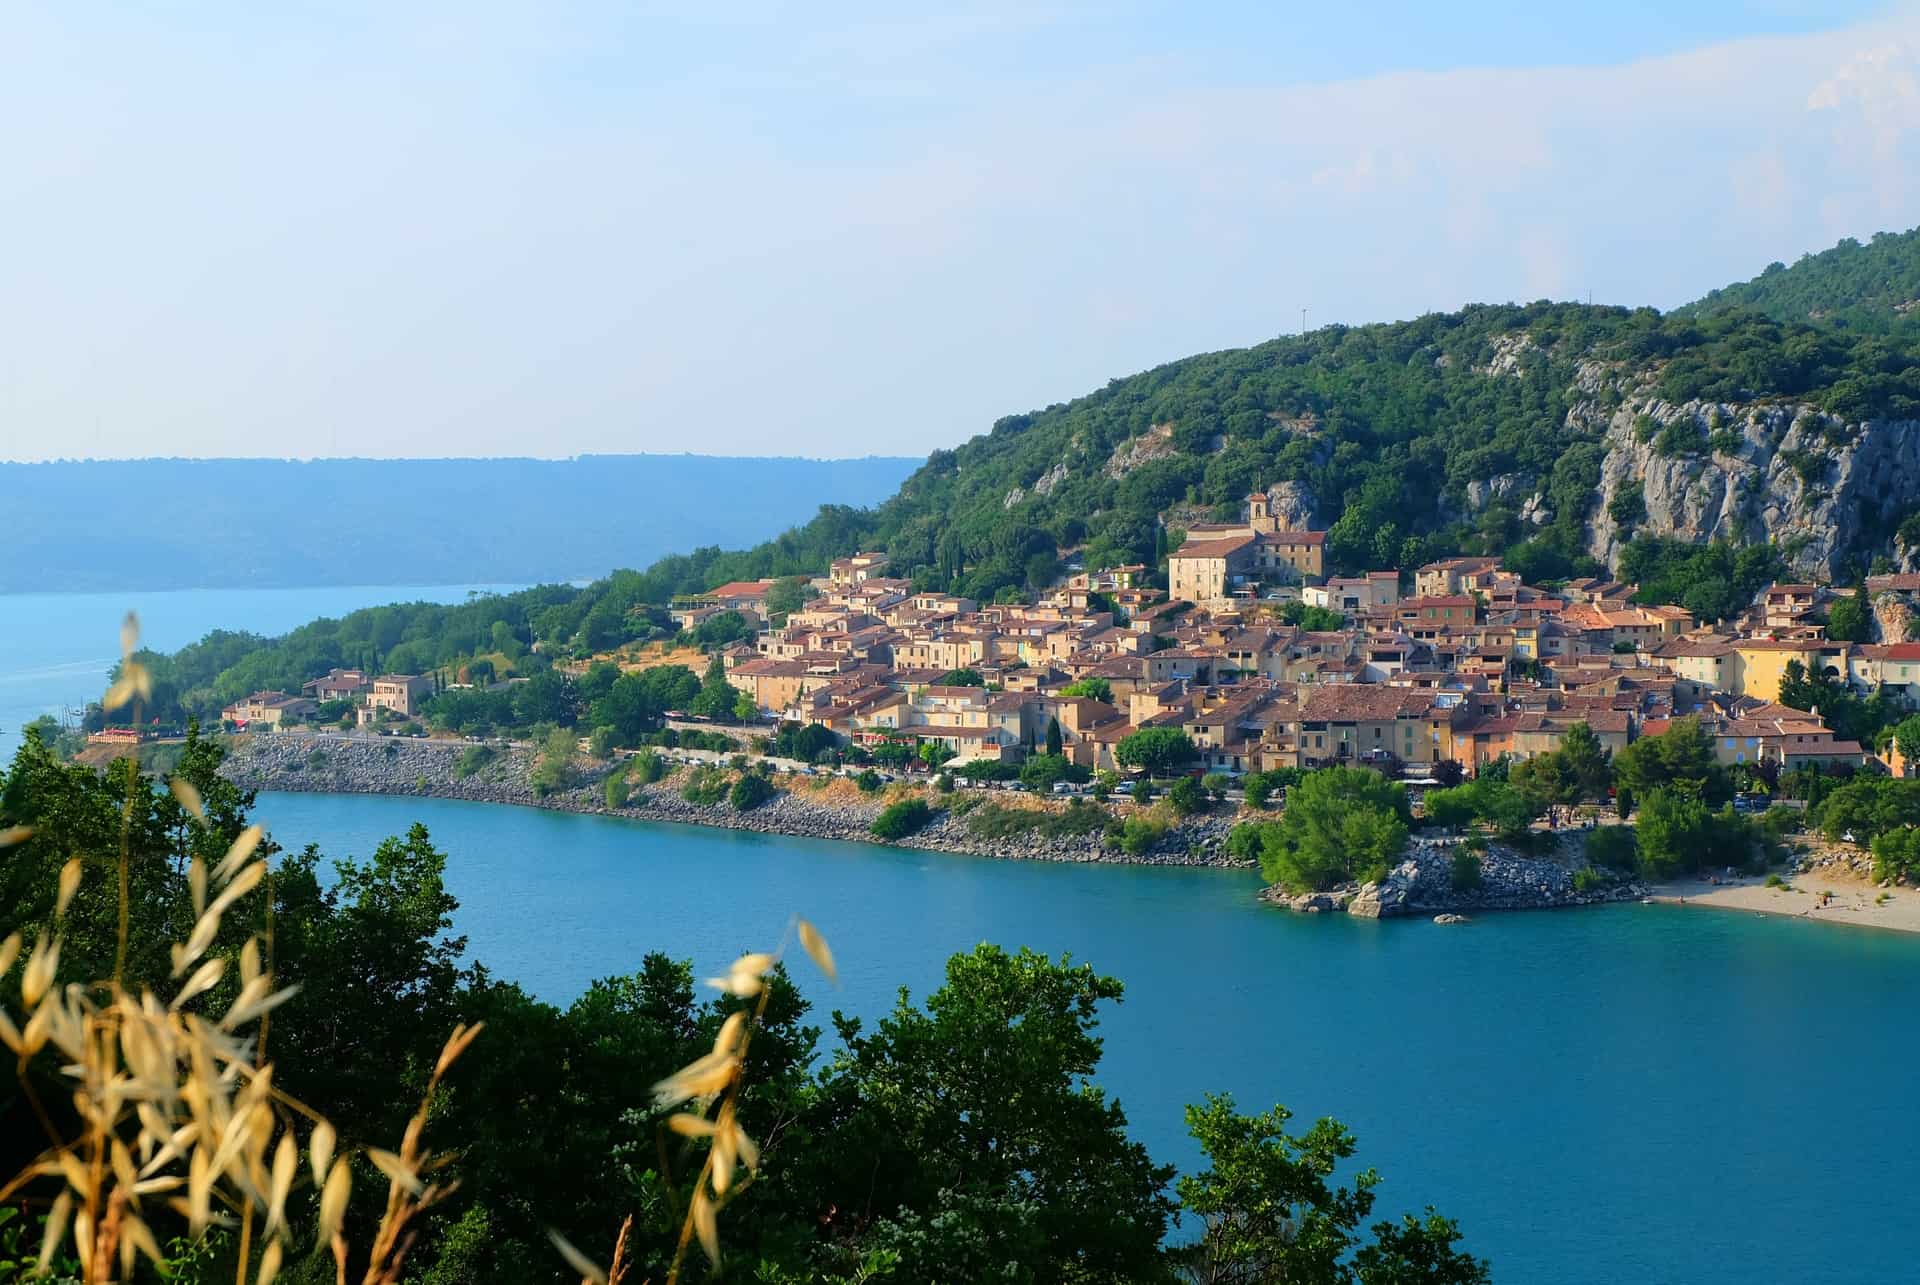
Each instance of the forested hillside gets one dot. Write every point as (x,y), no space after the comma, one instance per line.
(1405,439)
(1871,289)
(214,524)
(1702,454)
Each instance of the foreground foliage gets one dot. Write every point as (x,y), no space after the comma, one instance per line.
(960,1138)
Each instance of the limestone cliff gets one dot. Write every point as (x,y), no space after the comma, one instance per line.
(1830,493)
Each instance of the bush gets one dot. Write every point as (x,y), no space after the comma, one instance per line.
(646,768)
(1896,855)
(1588,880)
(868,781)
(1465,874)
(944,783)
(600,743)
(616,789)
(1613,846)
(749,792)
(705,787)
(471,760)
(899,819)
(1187,796)
(1139,833)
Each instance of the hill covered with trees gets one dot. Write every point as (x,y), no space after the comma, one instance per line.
(1565,437)
(1870,289)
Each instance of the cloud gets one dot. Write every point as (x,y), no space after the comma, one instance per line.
(377,232)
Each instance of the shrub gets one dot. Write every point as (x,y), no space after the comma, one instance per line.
(471,760)
(1587,879)
(1139,833)
(705,787)
(868,781)
(1465,874)
(1187,796)
(944,783)
(1775,881)
(600,743)
(1613,846)
(616,789)
(899,819)
(749,792)
(646,768)
(1896,855)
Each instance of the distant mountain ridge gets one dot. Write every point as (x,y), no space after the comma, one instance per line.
(111,525)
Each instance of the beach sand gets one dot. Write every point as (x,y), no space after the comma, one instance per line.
(1855,901)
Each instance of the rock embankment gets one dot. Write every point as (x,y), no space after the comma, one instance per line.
(808,807)
(1422,884)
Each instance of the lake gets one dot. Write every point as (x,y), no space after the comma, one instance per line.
(56,648)
(1643,1093)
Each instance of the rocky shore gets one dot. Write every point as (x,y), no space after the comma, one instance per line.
(1422,884)
(813,808)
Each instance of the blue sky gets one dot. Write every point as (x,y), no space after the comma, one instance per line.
(492,228)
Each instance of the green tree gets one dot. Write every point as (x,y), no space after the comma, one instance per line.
(1338,822)
(962,678)
(1187,796)
(1053,736)
(1270,1211)
(1849,619)
(553,765)
(1159,750)
(718,698)
(1679,758)
(968,1135)
(1098,689)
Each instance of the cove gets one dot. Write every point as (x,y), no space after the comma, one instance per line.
(1643,1093)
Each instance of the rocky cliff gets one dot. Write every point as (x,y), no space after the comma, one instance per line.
(1828,492)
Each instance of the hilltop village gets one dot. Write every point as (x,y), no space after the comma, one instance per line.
(1265,663)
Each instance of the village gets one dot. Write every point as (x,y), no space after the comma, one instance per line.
(1460,663)
(1466,665)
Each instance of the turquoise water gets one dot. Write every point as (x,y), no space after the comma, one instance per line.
(1641,1093)
(56,648)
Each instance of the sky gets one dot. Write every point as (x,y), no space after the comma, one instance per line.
(869,228)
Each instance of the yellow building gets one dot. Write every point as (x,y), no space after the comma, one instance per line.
(1763,662)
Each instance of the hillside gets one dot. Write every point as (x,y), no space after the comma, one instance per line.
(1502,429)
(175,523)
(1871,289)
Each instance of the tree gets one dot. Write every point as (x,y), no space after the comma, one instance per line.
(1669,825)
(962,678)
(1269,1211)
(1098,689)
(968,1137)
(1682,756)
(749,792)
(1849,619)
(1053,736)
(1159,750)
(721,629)
(1338,822)
(1187,796)
(553,765)
(1588,762)
(718,698)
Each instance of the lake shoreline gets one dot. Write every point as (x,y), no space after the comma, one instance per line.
(832,808)
(1854,903)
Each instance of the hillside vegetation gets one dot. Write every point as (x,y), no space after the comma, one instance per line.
(1486,430)
(1871,289)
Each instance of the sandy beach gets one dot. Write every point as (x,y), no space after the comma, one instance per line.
(1854,902)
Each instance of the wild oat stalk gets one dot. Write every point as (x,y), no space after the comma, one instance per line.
(713,1080)
(176,1109)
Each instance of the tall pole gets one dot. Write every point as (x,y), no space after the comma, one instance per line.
(1303,321)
